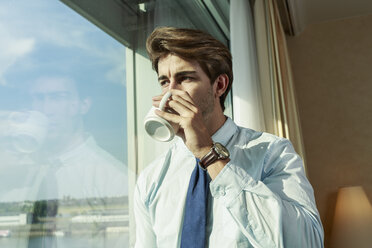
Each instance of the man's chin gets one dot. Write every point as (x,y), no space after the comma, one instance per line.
(55,137)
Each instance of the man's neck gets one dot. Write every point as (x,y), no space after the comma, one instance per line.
(63,145)
(215,122)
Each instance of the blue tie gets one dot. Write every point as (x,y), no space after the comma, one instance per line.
(195,220)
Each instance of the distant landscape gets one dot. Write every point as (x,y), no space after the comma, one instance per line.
(71,216)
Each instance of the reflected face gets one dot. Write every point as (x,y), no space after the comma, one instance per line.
(177,73)
(59,100)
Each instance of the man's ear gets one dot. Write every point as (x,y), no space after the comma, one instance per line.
(221,83)
(85,105)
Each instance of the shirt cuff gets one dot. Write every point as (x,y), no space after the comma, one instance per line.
(230,182)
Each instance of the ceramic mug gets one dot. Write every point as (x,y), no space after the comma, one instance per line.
(157,127)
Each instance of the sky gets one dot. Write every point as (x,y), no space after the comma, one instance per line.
(41,34)
(43,38)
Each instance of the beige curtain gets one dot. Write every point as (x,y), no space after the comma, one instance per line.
(277,89)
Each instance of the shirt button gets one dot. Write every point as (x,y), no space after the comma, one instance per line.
(223,192)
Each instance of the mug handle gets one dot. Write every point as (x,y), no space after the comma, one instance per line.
(164,100)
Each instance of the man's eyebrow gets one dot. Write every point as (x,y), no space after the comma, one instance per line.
(162,78)
(184,73)
(178,74)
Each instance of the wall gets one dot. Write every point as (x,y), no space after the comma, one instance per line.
(332,67)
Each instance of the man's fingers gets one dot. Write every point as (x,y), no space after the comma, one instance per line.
(182,94)
(185,103)
(170,110)
(157,98)
(180,101)
(168,116)
(156,104)
(178,107)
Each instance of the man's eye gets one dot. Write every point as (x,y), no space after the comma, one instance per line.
(187,78)
(163,83)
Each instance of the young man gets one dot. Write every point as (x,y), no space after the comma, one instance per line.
(259,195)
(71,166)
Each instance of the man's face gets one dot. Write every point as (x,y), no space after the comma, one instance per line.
(177,73)
(58,99)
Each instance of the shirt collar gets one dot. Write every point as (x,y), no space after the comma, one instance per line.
(225,132)
(79,151)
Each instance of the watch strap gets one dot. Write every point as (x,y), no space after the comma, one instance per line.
(208,159)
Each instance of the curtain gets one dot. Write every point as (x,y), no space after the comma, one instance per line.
(272,84)
(247,101)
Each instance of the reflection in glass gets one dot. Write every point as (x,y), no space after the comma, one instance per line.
(63,173)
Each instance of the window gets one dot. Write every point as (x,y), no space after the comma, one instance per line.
(75,86)
(63,176)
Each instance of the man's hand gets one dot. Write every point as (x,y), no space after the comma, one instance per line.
(190,119)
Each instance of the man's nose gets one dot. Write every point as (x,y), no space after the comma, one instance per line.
(173,84)
(44,105)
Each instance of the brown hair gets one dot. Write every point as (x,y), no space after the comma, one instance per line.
(190,44)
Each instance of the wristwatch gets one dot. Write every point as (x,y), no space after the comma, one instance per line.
(218,151)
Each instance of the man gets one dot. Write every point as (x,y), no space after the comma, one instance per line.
(85,169)
(73,170)
(259,195)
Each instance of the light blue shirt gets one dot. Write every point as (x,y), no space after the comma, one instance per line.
(261,198)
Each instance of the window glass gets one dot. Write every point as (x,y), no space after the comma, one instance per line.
(71,98)
(63,141)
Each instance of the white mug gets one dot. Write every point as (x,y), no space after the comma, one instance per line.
(157,127)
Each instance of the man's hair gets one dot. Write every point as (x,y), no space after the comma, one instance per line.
(213,57)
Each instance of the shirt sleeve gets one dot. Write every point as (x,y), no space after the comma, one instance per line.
(275,209)
(145,236)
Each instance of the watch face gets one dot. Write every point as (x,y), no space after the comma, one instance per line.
(221,150)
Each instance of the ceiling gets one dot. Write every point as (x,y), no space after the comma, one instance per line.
(306,12)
